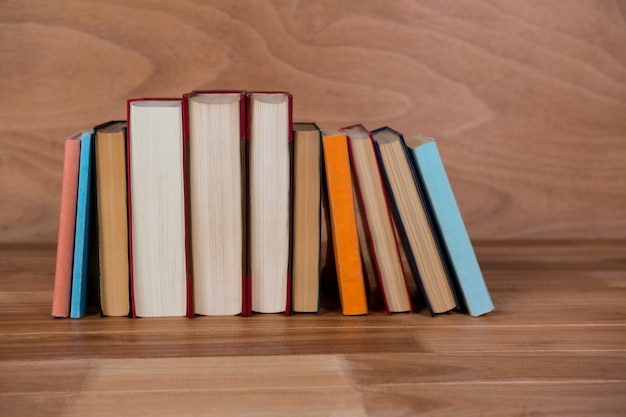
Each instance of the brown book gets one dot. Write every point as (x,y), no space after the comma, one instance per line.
(421,246)
(306,229)
(378,220)
(112,219)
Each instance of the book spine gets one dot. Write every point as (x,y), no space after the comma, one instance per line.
(130,208)
(289,303)
(187,208)
(246,297)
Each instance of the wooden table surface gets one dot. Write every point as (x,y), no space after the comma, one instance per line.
(556,345)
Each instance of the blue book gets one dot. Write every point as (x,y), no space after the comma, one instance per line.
(81,240)
(458,249)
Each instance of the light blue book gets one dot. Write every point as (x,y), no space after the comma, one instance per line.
(453,237)
(81,240)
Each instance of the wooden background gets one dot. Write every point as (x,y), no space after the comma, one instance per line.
(527,99)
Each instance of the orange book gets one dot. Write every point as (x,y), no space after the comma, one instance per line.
(67,224)
(345,240)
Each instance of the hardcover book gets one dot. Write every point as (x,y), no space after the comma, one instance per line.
(269,126)
(160,276)
(215,133)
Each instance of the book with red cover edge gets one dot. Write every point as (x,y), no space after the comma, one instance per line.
(288,303)
(246,308)
(189,279)
(366,221)
(401,227)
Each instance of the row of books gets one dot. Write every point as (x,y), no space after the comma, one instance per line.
(211,204)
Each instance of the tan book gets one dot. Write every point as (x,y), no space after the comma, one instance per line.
(306,231)
(378,220)
(420,239)
(112,219)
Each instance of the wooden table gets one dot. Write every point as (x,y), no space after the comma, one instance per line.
(556,345)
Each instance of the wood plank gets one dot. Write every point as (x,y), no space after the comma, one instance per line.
(276,385)
(527,100)
(346,384)
(556,345)
(305,371)
(334,400)
(494,399)
(567,399)
(284,339)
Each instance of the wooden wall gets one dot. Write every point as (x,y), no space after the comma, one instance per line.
(527,99)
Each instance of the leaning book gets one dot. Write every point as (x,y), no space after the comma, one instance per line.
(462,262)
(414,222)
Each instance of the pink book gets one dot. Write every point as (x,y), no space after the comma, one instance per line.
(67,224)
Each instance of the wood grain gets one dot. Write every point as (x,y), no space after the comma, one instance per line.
(555,345)
(527,99)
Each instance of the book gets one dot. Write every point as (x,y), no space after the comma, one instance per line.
(343,224)
(378,221)
(111,191)
(421,244)
(215,130)
(67,226)
(83,230)
(160,277)
(269,127)
(306,230)
(455,241)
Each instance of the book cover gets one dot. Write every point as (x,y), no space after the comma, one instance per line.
(343,239)
(67,226)
(306,226)
(414,224)
(160,272)
(269,135)
(112,217)
(214,134)
(82,232)
(454,238)
(378,220)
